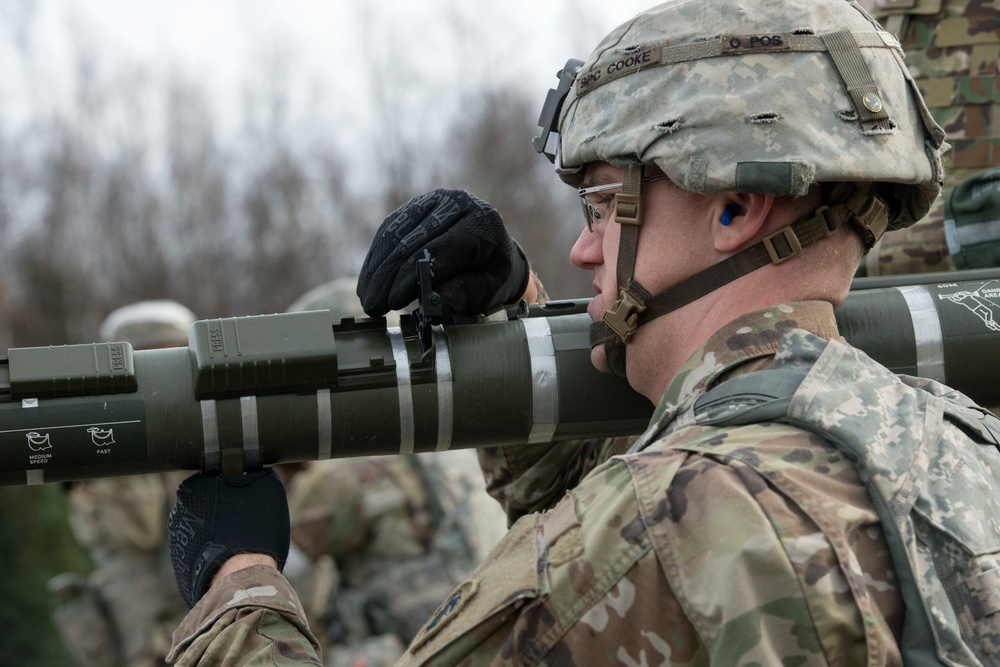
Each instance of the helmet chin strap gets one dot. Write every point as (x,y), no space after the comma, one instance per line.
(620,321)
(636,306)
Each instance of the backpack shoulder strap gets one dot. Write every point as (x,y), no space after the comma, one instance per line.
(760,396)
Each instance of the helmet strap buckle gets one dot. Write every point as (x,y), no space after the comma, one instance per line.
(787,247)
(628,208)
(622,317)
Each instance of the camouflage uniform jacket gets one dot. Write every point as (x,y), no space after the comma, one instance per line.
(673,556)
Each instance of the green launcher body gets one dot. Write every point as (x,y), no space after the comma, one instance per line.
(260,390)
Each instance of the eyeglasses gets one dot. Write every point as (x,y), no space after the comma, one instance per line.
(597,199)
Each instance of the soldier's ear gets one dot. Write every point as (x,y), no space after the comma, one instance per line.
(739,219)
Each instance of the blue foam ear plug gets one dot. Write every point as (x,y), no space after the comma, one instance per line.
(727,215)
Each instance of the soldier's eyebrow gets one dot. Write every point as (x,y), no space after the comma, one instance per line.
(597,176)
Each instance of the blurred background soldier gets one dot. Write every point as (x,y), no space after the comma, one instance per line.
(403,531)
(953,53)
(125,611)
(972,220)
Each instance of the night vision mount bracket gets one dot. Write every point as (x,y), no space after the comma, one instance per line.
(547,141)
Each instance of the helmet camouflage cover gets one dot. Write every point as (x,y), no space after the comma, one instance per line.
(756,97)
(149,324)
(339,296)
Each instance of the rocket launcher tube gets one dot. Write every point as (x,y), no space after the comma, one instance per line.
(254,391)
(943,328)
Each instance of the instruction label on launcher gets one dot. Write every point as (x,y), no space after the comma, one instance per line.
(979,309)
(65,436)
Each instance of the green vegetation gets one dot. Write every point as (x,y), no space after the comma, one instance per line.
(35,545)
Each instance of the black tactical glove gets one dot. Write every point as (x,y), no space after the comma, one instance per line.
(217,517)
(477,265)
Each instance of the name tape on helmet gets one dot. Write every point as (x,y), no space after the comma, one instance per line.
(626,64)
(636,60)
(756,43)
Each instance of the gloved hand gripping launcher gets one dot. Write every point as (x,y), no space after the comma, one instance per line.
(254,391)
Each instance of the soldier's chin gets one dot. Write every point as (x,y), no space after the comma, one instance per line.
(599,359)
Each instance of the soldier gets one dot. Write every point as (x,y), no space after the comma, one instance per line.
(126,610)
(735,160)
(403,531)
(972,220)
(952,51)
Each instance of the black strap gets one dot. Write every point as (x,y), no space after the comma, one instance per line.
(865,211)
(761,396)
(992,424)
(779,247)
(635,306)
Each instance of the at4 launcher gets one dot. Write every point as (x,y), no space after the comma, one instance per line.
(253,391)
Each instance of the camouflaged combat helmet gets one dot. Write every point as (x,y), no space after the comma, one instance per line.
(340,297)
(149,324)
(751,97)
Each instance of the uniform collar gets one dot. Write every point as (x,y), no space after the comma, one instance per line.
(746,344)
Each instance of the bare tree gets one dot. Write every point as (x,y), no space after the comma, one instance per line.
(121,212)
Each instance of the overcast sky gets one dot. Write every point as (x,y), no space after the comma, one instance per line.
(332,47)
